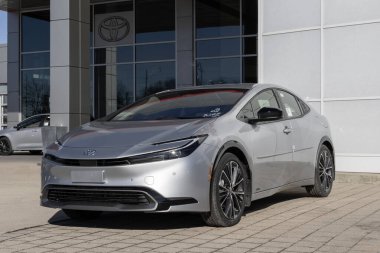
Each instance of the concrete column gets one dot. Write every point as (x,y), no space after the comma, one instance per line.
(13,72)
(184,20)
(69,62)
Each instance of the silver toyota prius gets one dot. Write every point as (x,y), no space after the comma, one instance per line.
(210,150)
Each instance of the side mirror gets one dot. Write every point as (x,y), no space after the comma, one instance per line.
(267,114)
(17,127)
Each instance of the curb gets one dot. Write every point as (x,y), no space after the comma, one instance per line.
(361,178)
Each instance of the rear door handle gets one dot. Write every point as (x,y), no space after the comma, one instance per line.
(287,130)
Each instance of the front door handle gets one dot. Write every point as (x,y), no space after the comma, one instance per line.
(287,130)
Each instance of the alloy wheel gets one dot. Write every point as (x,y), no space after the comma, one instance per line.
(325,167)
(4,146)
(231,190)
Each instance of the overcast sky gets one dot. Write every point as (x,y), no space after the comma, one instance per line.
(3,27)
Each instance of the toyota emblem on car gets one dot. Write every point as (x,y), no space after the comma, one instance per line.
(90,152)
(113,29)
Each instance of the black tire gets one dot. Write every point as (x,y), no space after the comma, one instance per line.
(35,152)
(81,214)
(5,146)
(324,174)
(227,198)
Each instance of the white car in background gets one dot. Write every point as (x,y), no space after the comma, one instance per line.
(25,136)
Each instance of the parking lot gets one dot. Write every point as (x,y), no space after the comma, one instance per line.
(347,221)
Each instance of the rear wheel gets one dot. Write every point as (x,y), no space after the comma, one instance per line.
(324,174)
(228,188)
(5,146)
(81,214)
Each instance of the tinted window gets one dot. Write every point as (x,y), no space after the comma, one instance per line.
(182,105)
(35,91)
(264,99)
(154,77)
(154,52)
(249,69)
(36,60)
(249,16)
(216,71)
(36,31)
(224,47)
(155,20)
(290,104)
(113,55)
(217,18)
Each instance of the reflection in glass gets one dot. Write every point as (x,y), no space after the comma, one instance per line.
(155,52)
(217,18)
(250,45)
(35,31)
(249,17)
(35,92)
(113,86)
(218,71)
(250,69)
(124,54)
(112,55)
(36,60)
(125,87)
(113,7)
(34,3)
(154,77)
(223,47)
(155,20)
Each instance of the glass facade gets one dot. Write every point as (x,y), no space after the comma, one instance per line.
(35,62)
(3,108)
(133,49)
(130,65)
(225,41)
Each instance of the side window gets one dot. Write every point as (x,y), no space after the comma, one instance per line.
(305,108)
(290,104)
(31,123)
(264,99)
(246,112)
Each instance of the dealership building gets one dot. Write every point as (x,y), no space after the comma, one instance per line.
(82,59)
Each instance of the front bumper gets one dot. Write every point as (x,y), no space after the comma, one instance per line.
(178,185)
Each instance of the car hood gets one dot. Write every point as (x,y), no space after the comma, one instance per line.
(125,134)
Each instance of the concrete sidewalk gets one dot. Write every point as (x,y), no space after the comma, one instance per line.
(347,221)
(20,192)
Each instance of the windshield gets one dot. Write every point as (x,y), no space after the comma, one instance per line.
(185,104)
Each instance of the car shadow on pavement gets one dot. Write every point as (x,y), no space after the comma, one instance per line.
(162,221)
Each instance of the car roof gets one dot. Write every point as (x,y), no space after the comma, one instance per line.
(242,86)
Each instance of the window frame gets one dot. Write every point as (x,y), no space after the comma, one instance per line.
(283,106)
(250,102)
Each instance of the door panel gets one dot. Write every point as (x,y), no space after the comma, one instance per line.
(303,156)
(284,152)
(29,134)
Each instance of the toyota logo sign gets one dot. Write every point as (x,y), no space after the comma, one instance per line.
(113,29)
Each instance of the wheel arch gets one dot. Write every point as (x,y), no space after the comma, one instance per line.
(328,143)
(237,149)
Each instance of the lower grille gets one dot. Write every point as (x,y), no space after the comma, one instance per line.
(106,196)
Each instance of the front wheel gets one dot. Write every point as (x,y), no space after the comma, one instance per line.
(5,146)
(324,174)
(81,214)
(228,188)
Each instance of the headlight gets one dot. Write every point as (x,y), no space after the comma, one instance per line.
(187,149)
